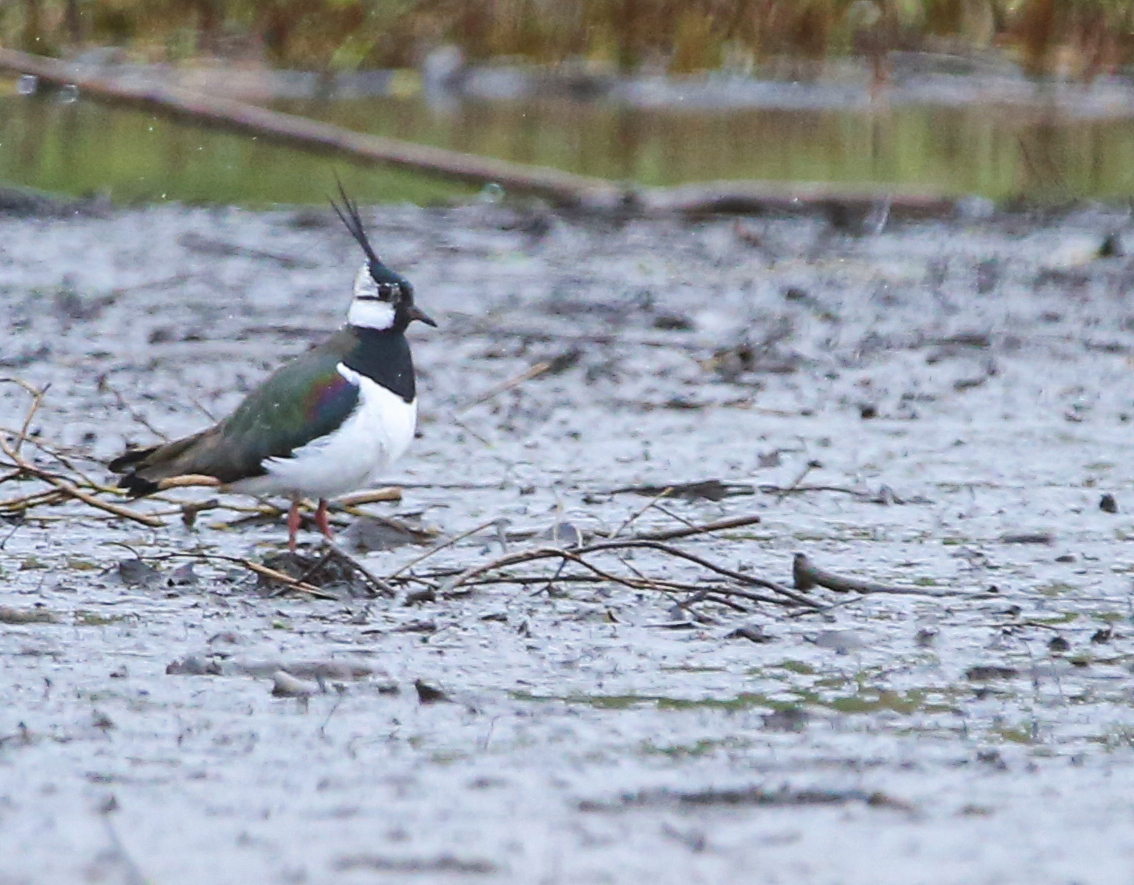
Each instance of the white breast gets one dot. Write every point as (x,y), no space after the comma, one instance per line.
(376,434)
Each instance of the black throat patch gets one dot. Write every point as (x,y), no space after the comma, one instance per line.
(383,357)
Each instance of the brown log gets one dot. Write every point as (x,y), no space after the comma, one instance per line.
(563,189)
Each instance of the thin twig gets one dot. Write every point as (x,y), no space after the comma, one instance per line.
(515,381)
(377,583)
(807,468)
(123,404)
(71,490)
(618,531)
(37,397)
(576,555)
(438,548)
(718,526)
(256,567)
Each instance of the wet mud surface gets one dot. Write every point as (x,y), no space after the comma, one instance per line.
(942,406)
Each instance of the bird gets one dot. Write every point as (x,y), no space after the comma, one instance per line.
(321,425)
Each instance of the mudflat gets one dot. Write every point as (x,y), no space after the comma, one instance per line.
(942,409)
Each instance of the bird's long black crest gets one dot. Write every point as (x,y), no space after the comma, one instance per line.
(353,221)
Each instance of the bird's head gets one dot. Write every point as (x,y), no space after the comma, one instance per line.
(383,300)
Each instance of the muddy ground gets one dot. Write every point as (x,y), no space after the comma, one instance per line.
(960,389)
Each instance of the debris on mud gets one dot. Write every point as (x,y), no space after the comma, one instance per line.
(610,645)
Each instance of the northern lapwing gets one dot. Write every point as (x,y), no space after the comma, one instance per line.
(320,426)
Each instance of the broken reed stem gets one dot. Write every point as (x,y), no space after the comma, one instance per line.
(370,496)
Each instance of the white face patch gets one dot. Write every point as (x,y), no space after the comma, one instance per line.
(371,314)
(365,310)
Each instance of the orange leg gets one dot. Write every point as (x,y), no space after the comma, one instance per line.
(321,520)
(292,525)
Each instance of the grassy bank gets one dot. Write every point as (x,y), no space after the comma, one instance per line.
(1078,38)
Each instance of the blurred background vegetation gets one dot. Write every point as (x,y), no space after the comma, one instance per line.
(1079,38)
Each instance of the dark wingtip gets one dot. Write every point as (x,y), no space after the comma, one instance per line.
(128,459)
(137,487)
(350,217)
(127,464)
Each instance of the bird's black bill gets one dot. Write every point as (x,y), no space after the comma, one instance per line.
(416,313)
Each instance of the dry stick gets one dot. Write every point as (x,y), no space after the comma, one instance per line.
(658,584)
(718,526)
(654,500)
(676,517)
(526,375)
(188,480)
(56,453)
(807,575)
(461,424)
(599,576)
(782,491)
(576,555)
(331,553)
(122,403)
(37,397)
(704,563)
(808,467)
(282,577)
(432,550)
(749,197)
(266,571)
(27,502)
(255,567)
(201,407)
(69,489)
(376,582)
(371,496)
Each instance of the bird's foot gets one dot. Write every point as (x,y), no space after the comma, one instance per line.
(292,525)
(321,521)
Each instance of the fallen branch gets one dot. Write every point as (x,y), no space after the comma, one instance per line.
(806,575)
(561,188)
(576,555)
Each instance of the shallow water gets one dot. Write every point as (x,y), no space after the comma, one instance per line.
(591,735)
(1000,137)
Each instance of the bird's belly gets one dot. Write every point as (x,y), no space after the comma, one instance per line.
(377,433)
